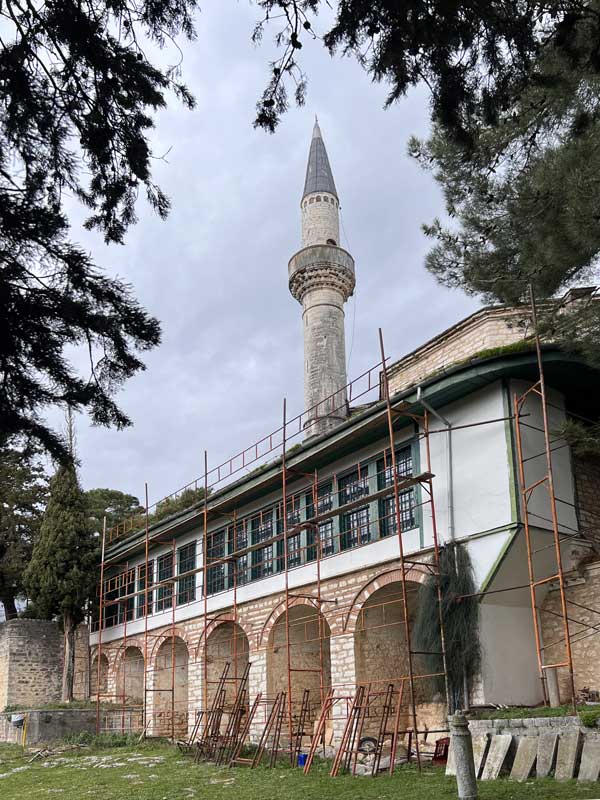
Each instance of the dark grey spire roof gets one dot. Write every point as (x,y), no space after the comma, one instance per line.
(319,177)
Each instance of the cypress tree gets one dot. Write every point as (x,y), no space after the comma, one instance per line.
(61,577)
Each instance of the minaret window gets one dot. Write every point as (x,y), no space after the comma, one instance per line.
(318,198)
(332,241)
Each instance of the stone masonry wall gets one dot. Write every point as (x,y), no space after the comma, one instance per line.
(31,660)
(584,589)
(488,328)
(258,618)
(587,487)
(320,219)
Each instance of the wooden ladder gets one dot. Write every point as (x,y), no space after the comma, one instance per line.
(395,734)
(320,729)
(299,733)
(237,749)
(269,727)
(383,731)
(347,749)
(232,732)
(207,742)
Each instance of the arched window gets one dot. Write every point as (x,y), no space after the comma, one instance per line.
(332,241)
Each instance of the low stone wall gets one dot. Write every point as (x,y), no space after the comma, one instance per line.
(530,726)
(49,726)
(31,661)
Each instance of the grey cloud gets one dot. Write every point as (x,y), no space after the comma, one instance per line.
(215,272)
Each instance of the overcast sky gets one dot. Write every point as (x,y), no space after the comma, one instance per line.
(215,273)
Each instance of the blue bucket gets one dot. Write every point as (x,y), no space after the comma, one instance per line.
(302,759)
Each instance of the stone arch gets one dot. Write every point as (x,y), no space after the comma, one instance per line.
(416,574)
(309,644)
(102,684)
(381,652)
(218,619)
(170,686)
(227,643)
(130,676)
(278,611)
(166,636)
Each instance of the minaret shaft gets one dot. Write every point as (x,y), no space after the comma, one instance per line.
(322,279)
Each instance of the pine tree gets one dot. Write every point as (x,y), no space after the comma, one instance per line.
(62,576)
(116,506)
(77,96)
(23,494)
(474,56)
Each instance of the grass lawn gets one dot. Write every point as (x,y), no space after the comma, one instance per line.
(159,772)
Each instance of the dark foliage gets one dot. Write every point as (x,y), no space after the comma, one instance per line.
(62,575)
(112,504)
(523,201)
(475,56)
(461,624)
(77,94)
(174,503)
(23,494)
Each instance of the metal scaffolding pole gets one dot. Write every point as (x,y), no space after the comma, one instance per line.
(547,480)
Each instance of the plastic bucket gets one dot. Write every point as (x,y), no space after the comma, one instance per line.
(302,759)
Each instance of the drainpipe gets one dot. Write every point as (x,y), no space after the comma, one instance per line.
(448,425)
(451,532)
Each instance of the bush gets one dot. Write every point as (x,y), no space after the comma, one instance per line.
(590,717)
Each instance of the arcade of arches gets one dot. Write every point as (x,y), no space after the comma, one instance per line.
(357,639)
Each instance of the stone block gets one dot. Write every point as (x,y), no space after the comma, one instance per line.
(546,751)
(499,747)
(589,769)
(481,743)
(566,757)
(524,759)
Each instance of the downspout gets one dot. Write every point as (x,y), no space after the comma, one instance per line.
(450,494)
(448,426)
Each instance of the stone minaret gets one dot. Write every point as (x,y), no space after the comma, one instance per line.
(322,279)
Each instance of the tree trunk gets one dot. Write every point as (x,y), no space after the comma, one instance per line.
(10,609)
(69,658)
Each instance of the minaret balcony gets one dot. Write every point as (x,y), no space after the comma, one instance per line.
(321,266)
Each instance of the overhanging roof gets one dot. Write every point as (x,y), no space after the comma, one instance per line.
(563,371)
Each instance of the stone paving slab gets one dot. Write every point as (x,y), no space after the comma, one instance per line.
(545,753)
(590,760)
(566,758)
(499,748)
(480,748)
(525,758)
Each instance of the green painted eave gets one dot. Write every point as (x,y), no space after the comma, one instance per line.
(563,371)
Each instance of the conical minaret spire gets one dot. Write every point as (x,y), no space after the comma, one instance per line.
(319,177)
(322,279)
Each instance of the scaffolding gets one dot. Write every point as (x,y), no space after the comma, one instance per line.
(555,574)
(302,709)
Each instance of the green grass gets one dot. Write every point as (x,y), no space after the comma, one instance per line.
(72,776)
